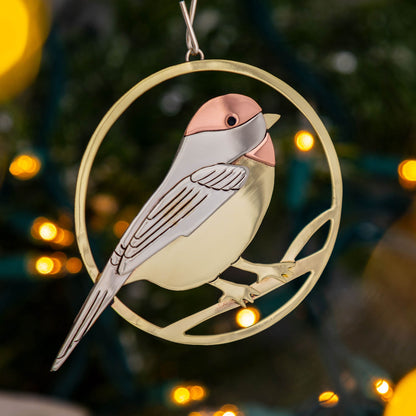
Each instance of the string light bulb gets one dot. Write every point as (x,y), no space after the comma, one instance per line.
(73,265)
(247,317)
(304,140)
(383,388)
(48,231)
(48,265)
(180,395)
(407,173)
(328,399)
(25,166)
(197,392)
(44,265)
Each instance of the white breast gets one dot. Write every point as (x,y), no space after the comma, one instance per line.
(191,261)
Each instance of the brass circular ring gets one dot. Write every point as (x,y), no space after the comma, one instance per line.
(118,109)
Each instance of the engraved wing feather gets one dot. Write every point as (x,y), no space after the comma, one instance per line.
(178,213)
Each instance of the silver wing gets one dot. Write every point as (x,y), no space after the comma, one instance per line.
(179,212)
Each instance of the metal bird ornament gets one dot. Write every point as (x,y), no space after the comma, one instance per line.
(212,201)
(206,211)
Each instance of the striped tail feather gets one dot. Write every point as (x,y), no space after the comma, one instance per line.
(100,296)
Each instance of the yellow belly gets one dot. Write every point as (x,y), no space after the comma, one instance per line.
(191,261)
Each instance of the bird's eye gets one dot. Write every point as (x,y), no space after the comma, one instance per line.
(231,120)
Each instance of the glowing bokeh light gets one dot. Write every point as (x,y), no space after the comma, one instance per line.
(64,238)
(104,204)
(247,317)
(73,265)
(57,265)
(44,265)
(119,228)
(403,402)
(24,26)
(304,140)
(180,395)
(48,231)
(49,265)
(25,167)
(197,392)
(36,225)
(407,170)
(383,389)
(229,410)
(381,386)
(328,399)
(14,30)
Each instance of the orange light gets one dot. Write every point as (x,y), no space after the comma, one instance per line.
(48,265)
(328,399)
(247,317)
(403,401)
(24,25)
(73,265)
(57,265)
(383,388)
(180,395)
(407,170)
(104,204)
(25,167)
(14,30)
(197,392)
(34,231)
(229,410)
(304,140)
(64,238)
(44,265)
(119,228)
(48,231)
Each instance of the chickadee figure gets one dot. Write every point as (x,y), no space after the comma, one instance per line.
(202,216)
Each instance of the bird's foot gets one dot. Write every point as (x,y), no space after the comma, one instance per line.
(237,292)
(241,295)
(280,271)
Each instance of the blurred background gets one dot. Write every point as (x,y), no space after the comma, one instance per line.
(350,348)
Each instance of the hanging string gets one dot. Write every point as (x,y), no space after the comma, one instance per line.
(191,40)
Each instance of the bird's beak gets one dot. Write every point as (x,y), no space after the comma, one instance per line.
(270,119)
